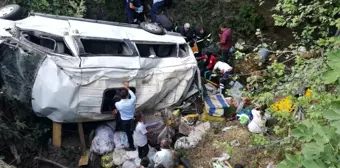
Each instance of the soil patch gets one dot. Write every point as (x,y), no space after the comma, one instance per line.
(200,157)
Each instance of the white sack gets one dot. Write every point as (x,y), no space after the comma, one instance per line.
(258,124)
(103,143)
(121,141)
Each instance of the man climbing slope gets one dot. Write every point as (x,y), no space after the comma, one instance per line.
(126,109)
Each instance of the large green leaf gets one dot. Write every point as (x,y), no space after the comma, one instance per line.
(293,159)
(329,154)
(332,115)
(323,134)
(336,124)
(331,76)
(334,60)
(286,164)
(310,164)
(312,150)
(336,106)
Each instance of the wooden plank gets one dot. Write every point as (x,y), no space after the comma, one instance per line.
(82,138)
(57,133)
(83,161)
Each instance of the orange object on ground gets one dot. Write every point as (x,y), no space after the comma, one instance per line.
(195,48)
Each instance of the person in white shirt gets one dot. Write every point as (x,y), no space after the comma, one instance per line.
(140,136)
(222,67)
(126,109)
(165,156)
(225,70)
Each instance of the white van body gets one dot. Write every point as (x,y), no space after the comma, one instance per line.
(79,63)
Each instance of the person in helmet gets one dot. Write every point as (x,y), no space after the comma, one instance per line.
(187,32)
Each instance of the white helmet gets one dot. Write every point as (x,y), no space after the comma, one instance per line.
(187,25)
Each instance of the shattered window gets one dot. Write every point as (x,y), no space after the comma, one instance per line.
(40,40)
(183,50)
(105,47)
(144,50)
(159,50)
(54,43)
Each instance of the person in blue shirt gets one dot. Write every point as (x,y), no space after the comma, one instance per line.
(132,9)
(126,109)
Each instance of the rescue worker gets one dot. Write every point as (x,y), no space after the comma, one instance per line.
(203,38)
(133,8)
(156,5)
(187,32)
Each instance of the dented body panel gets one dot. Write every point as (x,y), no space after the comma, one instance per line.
(69,87)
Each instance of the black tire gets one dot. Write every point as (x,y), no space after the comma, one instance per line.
(152,28)
(13,12)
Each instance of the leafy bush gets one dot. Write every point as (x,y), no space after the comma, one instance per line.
(310,20)
(19,127)
(106,10)
(57,7)
(240,16)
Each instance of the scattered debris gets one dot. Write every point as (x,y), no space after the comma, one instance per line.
(234,143)
(224,157)
(194,137)
(257,125)
(225,129)
(271,165)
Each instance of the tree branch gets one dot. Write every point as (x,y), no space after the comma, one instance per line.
(49,162)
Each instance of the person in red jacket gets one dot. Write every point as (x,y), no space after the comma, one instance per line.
(209,62)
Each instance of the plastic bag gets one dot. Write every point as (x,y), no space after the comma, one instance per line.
(107,160)
(258,124)
(119,156)
(152,153)
(103,141)
(120,140)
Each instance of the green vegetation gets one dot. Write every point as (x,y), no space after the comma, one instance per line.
(312,142)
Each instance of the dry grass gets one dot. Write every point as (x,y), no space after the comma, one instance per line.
(202,154)
(247,67)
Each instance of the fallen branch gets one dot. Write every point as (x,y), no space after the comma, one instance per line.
(49,162)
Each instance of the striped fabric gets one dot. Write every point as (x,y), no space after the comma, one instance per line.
(216,105)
